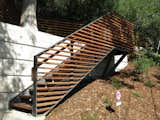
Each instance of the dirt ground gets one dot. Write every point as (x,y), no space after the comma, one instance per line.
(139,101)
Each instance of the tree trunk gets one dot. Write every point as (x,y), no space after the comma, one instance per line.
(28,16)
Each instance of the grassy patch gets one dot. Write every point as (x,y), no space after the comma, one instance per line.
(149,83)
(137,95)
(143,64)
(117,84)
(89,116)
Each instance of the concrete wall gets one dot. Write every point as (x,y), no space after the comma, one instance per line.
(17,48)
(123,64)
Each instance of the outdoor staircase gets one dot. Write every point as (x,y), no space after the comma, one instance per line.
(60,68)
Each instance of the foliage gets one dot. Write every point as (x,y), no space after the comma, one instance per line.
(79,10)
(146,16)
(137,95)
(155,57)
(116,83)
(108,103)
(149,83)
(143,64)
(89,116)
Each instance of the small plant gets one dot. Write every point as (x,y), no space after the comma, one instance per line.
(137,95)
(149,83)
(89,116)
(143,64)
(107,103)
(117,84)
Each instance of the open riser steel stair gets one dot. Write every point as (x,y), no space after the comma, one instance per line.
(60,68)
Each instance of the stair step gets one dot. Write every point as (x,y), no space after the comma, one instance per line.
(65,65)
(87,47)
(65,69)
(75,53)
(75,57)
(82,50)
(59,78)
(51,93)
(42,110)
(46,104)
(41,99)
(69,61)
(22,105)
(55,88)
(62,73)
(56,83)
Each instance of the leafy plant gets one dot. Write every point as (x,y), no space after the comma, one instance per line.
(89,116)
(137,95)
(149,83)
(116,83)
(155,57)
(143,64)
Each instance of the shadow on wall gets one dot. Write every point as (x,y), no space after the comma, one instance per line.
(10,84)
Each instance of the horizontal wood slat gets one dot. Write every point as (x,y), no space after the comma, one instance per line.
(56,83)
(51,93)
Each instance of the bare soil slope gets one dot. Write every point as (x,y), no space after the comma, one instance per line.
(139,101)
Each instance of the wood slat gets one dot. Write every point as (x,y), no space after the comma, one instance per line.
(70,61)
(91,41)
(62,73)
(86,47)
(54,88)
(74,57)
(65,69)
(41,99)
(87,43)
(44,109)
(75,53)
(80,49)
(21,105)
(56,83)
(51,93)
(65,65)
(46,104)
(58,78)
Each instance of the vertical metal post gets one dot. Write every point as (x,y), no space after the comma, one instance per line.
(34,95)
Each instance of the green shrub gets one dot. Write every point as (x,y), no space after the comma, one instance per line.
(88,116)
(143,64)
(155,57)
(149,83)
(117,84)
(137,95)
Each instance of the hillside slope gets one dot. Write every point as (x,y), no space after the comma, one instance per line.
(140,100)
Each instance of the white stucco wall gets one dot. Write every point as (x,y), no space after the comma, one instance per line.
(123,64)
(17,48)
